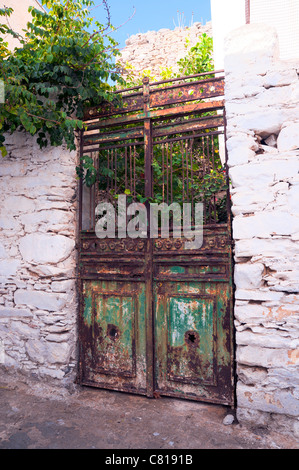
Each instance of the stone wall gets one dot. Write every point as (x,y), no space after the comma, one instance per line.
(38,312)
(163,48)
(262,108)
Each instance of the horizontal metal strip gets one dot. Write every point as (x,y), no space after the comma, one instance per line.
(171,80)
(116,137)
(187,92)
(123,258)
(130,103)
(100,277)
(220,228)
(111,147)
(205,117)
(124,387)
(174,254)
(122,263)
(196,82)
(91,132)
(203,261)
(191,279)
(192,396)
(159,114)
(188,127)
(185,137)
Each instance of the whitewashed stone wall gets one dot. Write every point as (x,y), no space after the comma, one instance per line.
(163,48)
(38,310)
(262,107)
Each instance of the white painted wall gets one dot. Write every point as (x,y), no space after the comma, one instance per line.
(226,16)
(262,111)
(283,15)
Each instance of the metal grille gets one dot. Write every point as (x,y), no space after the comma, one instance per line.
(175,160)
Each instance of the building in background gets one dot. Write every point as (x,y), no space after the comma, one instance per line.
(20,17)
(283,15)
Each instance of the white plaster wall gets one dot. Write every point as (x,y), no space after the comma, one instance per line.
(262,109)
(283,15)
(226,16)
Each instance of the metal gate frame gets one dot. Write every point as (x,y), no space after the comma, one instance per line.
(144,105)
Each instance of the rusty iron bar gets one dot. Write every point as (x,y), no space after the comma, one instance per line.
(131,171)
(170,80)
(171,175)
(247,11)
(177,139)
(126,168)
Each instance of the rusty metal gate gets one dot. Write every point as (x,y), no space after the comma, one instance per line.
(156,318)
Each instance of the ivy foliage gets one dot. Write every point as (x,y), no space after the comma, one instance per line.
(61,65)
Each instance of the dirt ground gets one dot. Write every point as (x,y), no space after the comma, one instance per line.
(34,415)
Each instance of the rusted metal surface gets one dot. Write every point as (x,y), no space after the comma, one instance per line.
(112,333)
(247,11)
(156,318)
(178,93)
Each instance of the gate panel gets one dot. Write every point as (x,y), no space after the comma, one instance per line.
(156,318)
(193,329)
(192,354)
(113,325)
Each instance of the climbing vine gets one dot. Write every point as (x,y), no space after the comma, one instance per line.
(61,64)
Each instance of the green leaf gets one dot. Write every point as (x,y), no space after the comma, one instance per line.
(3,151)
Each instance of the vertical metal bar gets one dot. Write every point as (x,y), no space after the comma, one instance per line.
(171,176)
(207,153)
(183,172)
(134,159)
(247,11)
(192,180)
(163,171)
(148,140)
(80,185)
(108,166)
(126,168)
(148,187)
(115,170)
(91,198)
(187,170)
(131,170)
(209,166)
(203,157)
(79,268)
(213,165)
(167,173)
